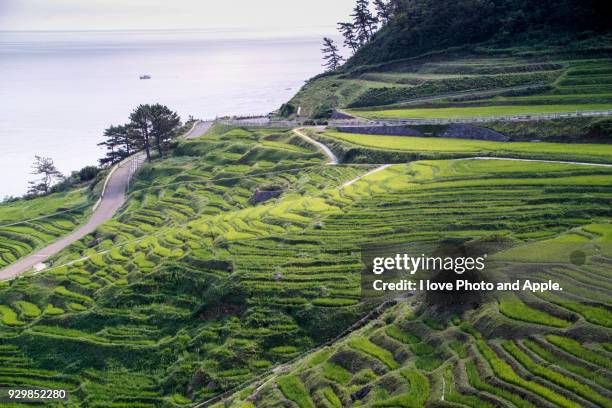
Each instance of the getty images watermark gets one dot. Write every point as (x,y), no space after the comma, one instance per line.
(453,267)
(458,265)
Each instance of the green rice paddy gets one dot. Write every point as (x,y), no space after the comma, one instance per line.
(475,112)
(445,147)
(202,284)
(27,225)
(468,87)
(194,288)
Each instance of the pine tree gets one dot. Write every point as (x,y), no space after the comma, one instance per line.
(141,123)
(363,21)
(348,32)
(116,143)
(384,10)
(333,60)
(44,167)
(148,124)
(129,139)
(164,126)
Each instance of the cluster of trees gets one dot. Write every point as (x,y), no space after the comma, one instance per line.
(150,127)
(366,20)
(51,180)
(415,27)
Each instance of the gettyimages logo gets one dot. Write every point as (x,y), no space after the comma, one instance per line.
(449,272)
(411,264)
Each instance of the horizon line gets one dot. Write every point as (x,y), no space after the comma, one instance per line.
(217,29)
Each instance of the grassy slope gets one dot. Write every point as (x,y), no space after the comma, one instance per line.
(597,153)
(462,112)
(109,303)
(470,350)
(558,84)
(192,290)
(19,236)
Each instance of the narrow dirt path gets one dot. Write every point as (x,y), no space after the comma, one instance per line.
(333,159)
(356,179)
(113,197)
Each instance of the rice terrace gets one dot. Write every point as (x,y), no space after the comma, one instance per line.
(235,275)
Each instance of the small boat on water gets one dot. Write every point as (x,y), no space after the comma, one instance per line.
(145,77)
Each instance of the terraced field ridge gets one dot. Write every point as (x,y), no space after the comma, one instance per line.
(48,221)
(566,97)
(354,147)
(240,254)
(521,349)
(467,88)
(28,225)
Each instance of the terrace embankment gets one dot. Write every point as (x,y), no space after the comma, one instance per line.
(456,131)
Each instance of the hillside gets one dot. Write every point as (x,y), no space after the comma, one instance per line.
(202,282)
(177,293)
(26,225)
(468,85)
(473,54)
(426,26)
(237,273)
(401,358)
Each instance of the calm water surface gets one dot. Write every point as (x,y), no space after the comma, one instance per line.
(60,90)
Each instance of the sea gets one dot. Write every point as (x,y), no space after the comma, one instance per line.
(60,90)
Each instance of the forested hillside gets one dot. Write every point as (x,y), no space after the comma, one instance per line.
(421,26)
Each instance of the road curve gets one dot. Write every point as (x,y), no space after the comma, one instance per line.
(333,159)
(112,199)
(198,129)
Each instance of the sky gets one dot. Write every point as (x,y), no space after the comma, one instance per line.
(281,17)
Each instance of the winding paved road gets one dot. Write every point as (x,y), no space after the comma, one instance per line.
(198,129)
(112,199)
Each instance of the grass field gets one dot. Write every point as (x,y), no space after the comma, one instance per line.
(446,147)
(473,112)
(26,225)
(238,257)
(196,286)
